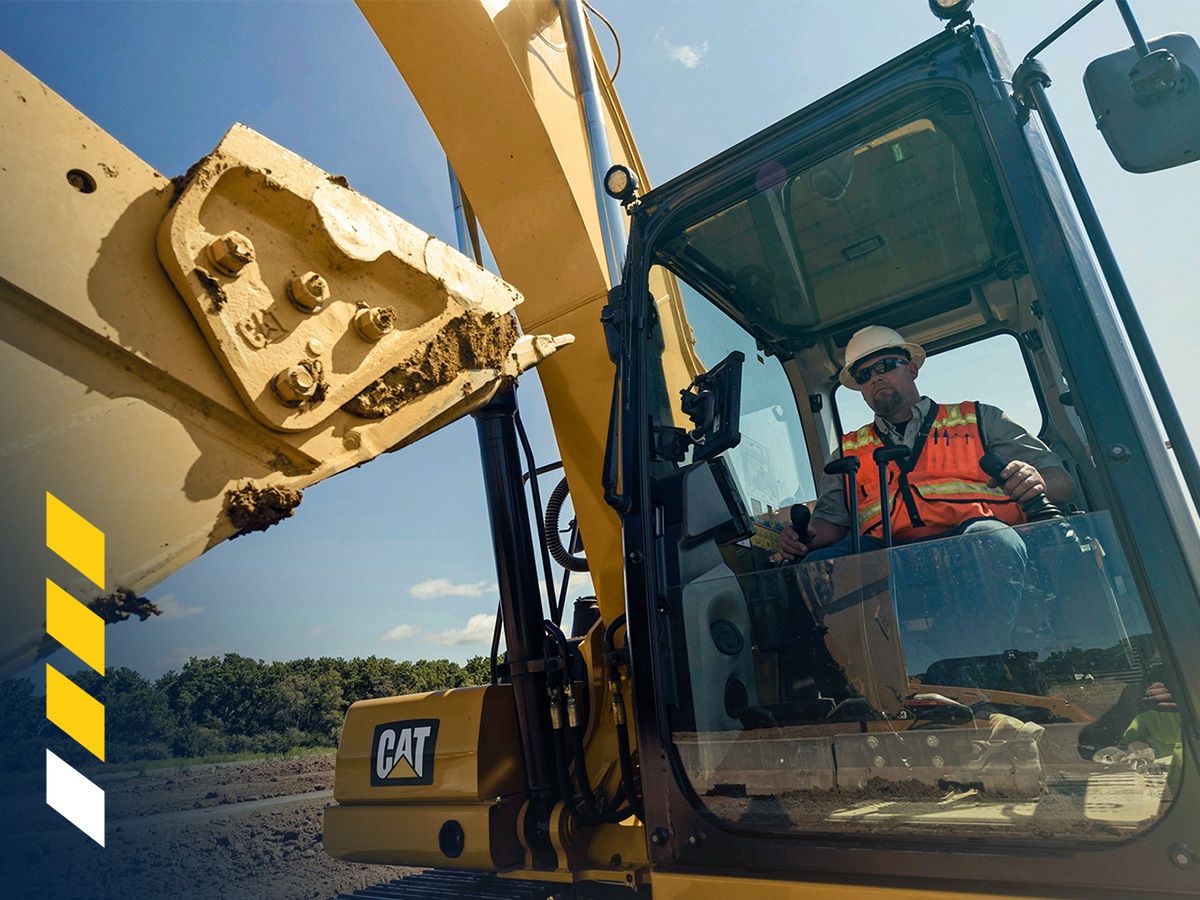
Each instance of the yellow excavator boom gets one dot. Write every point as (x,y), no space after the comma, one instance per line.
(495,83)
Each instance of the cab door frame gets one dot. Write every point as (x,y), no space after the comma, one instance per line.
(1147,505)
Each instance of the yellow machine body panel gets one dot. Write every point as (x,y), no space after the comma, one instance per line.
(693,886)
(444,757)
(432,779)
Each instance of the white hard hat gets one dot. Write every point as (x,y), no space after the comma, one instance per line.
(871,340)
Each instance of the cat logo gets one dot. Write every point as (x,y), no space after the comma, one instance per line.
(402,752)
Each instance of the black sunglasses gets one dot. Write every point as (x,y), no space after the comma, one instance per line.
(862,376)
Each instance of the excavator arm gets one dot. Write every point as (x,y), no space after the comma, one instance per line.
(184,357)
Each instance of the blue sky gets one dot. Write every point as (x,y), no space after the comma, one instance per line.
(394,558)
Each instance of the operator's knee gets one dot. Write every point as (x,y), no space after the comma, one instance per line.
(834,551)
(1004,540)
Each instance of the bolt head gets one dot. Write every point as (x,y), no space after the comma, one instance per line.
(1182,855)
(872,742)
(314,347)
(938,762)
(931,740)
(230,253)
(879,762)
(295,384)
(308,291)
(373,322)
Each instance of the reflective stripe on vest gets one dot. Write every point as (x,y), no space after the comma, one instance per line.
(948,487)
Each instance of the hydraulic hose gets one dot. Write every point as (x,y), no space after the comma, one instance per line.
(566,718)
(550,537)
(556,614)
(612,662)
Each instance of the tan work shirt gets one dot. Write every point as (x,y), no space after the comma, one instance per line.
(1004,437)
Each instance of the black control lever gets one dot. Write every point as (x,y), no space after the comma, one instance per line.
(847,467)
(801,516)
(883,456)
(1038,508)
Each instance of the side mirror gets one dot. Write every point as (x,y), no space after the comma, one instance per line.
(1148,108)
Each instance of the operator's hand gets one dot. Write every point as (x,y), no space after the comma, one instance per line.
(1020,480)
(1158,697)
(790,544)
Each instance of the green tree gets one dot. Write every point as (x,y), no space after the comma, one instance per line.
(478,670)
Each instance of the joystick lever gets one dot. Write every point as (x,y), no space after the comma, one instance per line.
(1038,508)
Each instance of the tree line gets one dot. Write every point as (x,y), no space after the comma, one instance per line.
(222,704)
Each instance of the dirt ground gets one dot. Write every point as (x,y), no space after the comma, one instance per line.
(249,830)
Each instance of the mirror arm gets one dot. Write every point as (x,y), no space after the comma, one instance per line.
(1134,31)
(1062,29)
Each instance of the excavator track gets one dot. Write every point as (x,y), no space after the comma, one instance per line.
(449,885)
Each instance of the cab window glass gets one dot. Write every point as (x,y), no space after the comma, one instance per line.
(934,689)
(911,205)
(991,371)
(770,463)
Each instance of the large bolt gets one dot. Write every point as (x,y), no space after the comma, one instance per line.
(308,291)
(295,384)
(231,252)
(373,322)
(1182,855)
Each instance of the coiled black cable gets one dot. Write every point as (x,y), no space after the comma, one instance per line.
(550,537)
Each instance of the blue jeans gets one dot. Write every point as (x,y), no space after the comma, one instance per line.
(953,598)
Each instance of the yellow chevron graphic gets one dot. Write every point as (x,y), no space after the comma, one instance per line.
(75,539)
(75,711)
(81,631)
(75,626)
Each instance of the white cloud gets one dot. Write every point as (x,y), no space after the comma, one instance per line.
(444,587)
(478,630)
(317,629)
(173,609)
(580,585)
(399,632)
(687,55)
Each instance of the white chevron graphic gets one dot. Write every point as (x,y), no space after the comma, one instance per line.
(75,797)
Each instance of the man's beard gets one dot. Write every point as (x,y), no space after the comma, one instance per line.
(887,401)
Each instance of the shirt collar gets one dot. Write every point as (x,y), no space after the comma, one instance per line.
(919,411)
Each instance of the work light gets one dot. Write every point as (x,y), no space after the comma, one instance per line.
(953,11)
(620,183)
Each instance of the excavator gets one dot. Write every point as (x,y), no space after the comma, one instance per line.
(716,718)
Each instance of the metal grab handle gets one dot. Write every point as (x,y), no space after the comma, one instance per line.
(847,467)
(883,456)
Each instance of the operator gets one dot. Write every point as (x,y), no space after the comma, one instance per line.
(939,490)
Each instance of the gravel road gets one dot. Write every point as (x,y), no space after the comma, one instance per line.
(248,830)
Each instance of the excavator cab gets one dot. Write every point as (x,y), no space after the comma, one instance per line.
(958,696)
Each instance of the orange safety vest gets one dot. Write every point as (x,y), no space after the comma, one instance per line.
(941,488)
